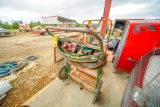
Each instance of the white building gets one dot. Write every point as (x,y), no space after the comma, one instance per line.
(58,20)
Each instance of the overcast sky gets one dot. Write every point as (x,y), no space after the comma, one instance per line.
(33,10)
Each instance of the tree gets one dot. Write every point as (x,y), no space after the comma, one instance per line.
(42,25)
(6,25)
(1,23)
(15,25)
(32,24)
(38,23)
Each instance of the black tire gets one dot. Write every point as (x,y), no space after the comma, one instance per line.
(97,91)
(23,30)
(62,73)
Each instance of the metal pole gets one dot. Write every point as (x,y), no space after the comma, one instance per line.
(105,16)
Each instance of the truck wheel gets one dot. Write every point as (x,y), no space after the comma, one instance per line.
(22,30)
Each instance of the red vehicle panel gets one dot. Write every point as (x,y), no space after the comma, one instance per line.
(42,31)
(140,37)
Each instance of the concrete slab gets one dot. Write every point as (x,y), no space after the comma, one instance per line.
(57,94)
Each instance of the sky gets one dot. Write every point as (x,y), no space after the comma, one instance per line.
(33,10)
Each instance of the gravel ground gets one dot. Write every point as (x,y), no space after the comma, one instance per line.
(29,83)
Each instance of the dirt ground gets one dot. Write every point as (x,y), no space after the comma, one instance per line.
(29,83)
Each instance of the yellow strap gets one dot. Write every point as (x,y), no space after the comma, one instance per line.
(55,42)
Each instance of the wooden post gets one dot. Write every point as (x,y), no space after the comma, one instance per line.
(55,55)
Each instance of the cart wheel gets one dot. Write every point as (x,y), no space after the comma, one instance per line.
(97,91)
(62,73)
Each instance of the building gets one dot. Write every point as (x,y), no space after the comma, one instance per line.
(58,21)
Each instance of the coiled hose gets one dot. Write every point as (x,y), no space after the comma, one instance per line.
(31,58)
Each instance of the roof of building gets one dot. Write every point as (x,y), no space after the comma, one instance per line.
(61,19)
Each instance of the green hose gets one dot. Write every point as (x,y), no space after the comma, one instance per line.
(82,30)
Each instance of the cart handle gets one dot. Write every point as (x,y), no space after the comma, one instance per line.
(111,24)
(89,21)
(101,20)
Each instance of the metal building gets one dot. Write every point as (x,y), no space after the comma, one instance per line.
(58,20)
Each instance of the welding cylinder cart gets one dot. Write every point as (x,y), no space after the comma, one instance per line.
(75,66)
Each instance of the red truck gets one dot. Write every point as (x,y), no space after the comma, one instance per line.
(42,31)
(24,28)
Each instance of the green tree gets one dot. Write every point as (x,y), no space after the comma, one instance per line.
(15,25)
(42,25)
(38,23)
(6,25)
(32,25)
(1,24)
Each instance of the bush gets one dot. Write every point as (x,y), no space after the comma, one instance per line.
(15,25)
(32,25)
(5,25)
(42,25)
